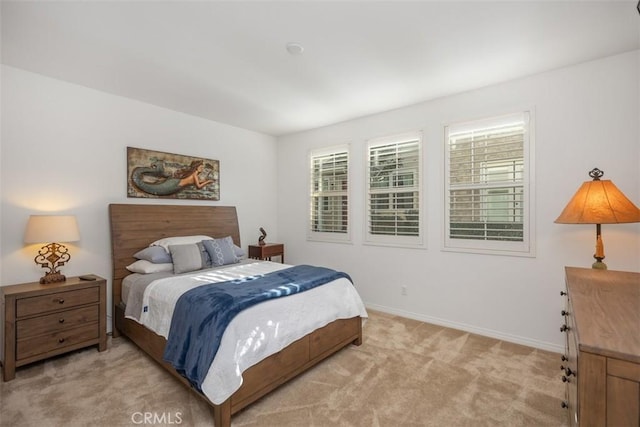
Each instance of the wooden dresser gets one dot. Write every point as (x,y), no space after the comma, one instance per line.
(41,321)
(601,366)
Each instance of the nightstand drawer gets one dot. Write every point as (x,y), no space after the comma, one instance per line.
(57,322)
(44,343)
(57,301)
(272,250)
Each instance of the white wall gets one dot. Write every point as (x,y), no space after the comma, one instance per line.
(586,116)
(63,150)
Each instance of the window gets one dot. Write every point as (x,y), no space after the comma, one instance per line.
(488,204)
(394,194)
(329,196)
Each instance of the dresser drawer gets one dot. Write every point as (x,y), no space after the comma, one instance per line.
(33,346)
(57,321)
(572,364)
(623,369)
(57,301)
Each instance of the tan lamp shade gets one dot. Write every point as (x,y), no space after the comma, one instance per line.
(51,228)
(599,202)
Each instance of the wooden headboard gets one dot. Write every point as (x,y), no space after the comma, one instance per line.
(134,227)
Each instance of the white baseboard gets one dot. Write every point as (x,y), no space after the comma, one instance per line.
(542,345)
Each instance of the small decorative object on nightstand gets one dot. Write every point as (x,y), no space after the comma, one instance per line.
(267,251)
(41,321)
(263,235)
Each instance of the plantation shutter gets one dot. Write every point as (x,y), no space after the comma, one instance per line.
(329,191)
(486,180)
(393,203)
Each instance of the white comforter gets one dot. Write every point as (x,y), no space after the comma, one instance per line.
(256,332)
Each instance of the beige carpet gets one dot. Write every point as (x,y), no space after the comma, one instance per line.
(407,373)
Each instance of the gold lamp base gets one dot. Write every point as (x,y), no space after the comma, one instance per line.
(51,257)
(599,255)
(599,265)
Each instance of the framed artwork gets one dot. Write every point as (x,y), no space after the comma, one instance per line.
(154,174)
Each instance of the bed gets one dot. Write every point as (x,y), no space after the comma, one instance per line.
(134,227)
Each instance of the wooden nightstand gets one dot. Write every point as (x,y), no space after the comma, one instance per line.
(266,251)
(41,321)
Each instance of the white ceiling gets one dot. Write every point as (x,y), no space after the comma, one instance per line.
(226,61)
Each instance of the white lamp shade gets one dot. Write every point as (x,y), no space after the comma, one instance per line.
(52,229)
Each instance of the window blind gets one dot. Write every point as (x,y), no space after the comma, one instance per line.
(329,192)
(393,206)
(486,181)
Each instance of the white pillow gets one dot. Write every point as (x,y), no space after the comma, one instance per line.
(145,267)
(179,240)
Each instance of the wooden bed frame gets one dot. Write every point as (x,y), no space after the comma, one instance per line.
(133,227)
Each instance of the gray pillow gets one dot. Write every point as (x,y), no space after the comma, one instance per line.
(154,254)
(240,253)
(206,258)
(221,251)
(187,258)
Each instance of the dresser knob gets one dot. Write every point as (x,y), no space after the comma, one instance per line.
(61,340)
(564,313)
(564,405)
(565,379)
(564,358)
(562,293)
(60,300)
(569,372)
(564,328)
(60,320)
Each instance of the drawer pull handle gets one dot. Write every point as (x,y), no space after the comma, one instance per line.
(564,358)
(61,340)
(569,372)
(60,320)
(562,293)
(564,328)
(564,405)
(565,379)
(60,300)
(564,313)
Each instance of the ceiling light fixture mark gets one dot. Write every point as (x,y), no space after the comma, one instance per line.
(295,49)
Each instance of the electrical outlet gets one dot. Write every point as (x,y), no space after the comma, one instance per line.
(403,290)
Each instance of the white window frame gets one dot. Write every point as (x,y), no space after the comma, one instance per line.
(526,247)
(320,236)
(394,240)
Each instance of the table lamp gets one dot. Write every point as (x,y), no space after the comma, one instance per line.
(52,229)
(599,202)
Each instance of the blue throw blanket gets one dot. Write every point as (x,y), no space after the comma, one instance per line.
(202,314)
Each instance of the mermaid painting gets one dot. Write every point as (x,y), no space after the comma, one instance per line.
(197,180)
